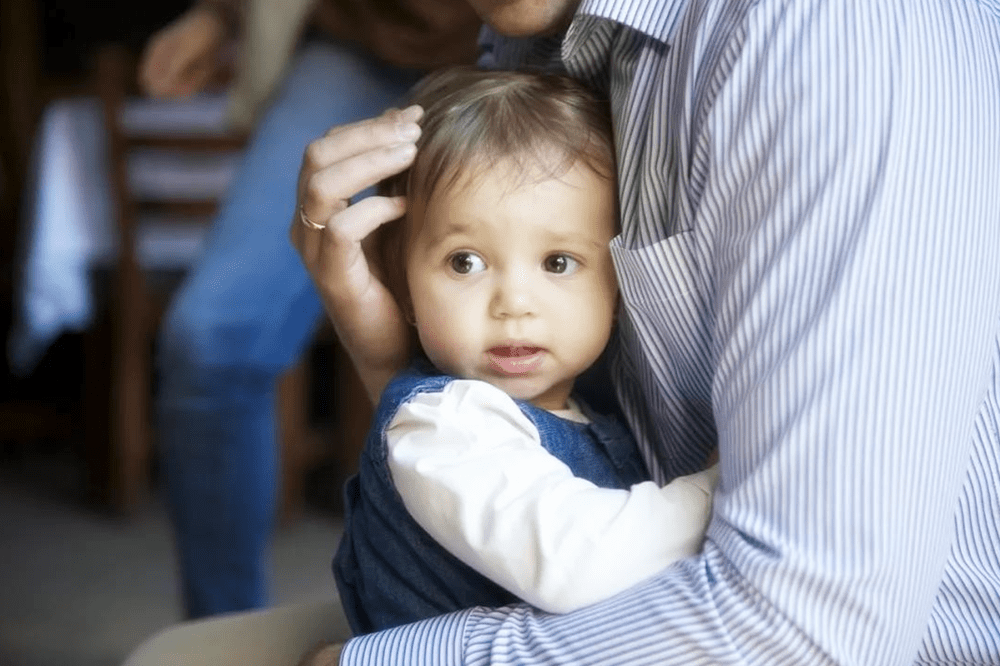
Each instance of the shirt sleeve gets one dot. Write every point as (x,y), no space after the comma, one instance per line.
(471,470)
(839,224)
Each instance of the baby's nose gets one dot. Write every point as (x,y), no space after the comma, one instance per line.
(513,296)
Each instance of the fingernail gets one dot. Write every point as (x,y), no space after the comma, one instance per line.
(408,131)
(403,151)
(411,114)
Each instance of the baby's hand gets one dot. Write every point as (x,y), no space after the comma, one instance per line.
(328,231)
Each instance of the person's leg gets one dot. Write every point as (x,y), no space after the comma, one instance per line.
(244,315)
(269,637)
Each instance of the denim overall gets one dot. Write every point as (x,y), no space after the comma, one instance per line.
(389,571)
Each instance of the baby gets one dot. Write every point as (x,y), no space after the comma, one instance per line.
(485,479)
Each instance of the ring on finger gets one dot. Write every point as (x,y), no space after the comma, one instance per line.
(304,219)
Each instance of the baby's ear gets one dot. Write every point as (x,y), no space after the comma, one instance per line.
(400,290)
(384,251)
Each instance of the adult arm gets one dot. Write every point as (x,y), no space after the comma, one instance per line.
(840,224)
(346,160)
(471,470)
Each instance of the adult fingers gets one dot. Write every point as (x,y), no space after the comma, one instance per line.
(330,250)
(353,157)
(154,70)
(327,191)
(173,68)
(359,220)
(194,79)
(182,56)
(343,141)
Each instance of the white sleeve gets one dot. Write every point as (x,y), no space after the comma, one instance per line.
(471,470)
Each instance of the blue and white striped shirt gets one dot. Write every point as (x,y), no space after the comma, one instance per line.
(810,266)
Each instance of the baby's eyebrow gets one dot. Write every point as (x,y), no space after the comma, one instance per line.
(558,238)
(452,229)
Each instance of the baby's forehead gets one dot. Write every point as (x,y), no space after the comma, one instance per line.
(571,199)
(506,173)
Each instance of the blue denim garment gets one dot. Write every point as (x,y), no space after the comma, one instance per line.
(389,571)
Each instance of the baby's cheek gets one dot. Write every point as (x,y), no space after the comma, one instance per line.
(439,345)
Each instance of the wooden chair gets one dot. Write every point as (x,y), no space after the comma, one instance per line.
(120,368)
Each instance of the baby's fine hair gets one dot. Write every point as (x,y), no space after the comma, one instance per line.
(540,123)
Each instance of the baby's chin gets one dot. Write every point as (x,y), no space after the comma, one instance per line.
(534,387)
(519,388)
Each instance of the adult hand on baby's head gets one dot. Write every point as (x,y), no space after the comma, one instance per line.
(327,230)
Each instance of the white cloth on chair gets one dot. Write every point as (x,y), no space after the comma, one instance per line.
(69,227)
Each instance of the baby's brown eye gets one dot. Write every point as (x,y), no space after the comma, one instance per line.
(465,263)
(561,264)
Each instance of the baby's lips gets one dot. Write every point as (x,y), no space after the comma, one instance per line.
(515,359)
(511,351)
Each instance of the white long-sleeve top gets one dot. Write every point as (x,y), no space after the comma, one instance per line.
(471,470)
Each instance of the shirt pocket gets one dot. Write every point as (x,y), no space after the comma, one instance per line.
(666,333)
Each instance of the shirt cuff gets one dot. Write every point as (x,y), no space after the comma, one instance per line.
(435,642)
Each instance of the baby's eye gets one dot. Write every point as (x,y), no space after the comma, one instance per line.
(562,264)
(466,263)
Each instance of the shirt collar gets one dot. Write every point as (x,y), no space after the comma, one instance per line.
(655,18)
(599,24)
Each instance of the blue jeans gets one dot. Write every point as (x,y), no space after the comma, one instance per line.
(243,316)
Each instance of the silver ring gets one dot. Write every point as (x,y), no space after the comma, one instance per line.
(304,219)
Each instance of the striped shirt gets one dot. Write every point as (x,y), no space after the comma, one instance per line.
(810,269)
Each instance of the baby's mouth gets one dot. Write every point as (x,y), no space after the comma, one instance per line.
(515,359)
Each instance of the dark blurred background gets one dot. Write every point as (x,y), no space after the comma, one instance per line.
(81,583)
(47,49)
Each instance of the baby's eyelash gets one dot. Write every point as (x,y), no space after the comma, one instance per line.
(561,263)
(465,262)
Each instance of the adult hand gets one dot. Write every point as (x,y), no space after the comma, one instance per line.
(182,57)
(328,231)
(322,655)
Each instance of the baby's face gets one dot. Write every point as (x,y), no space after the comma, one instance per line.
(513,284)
